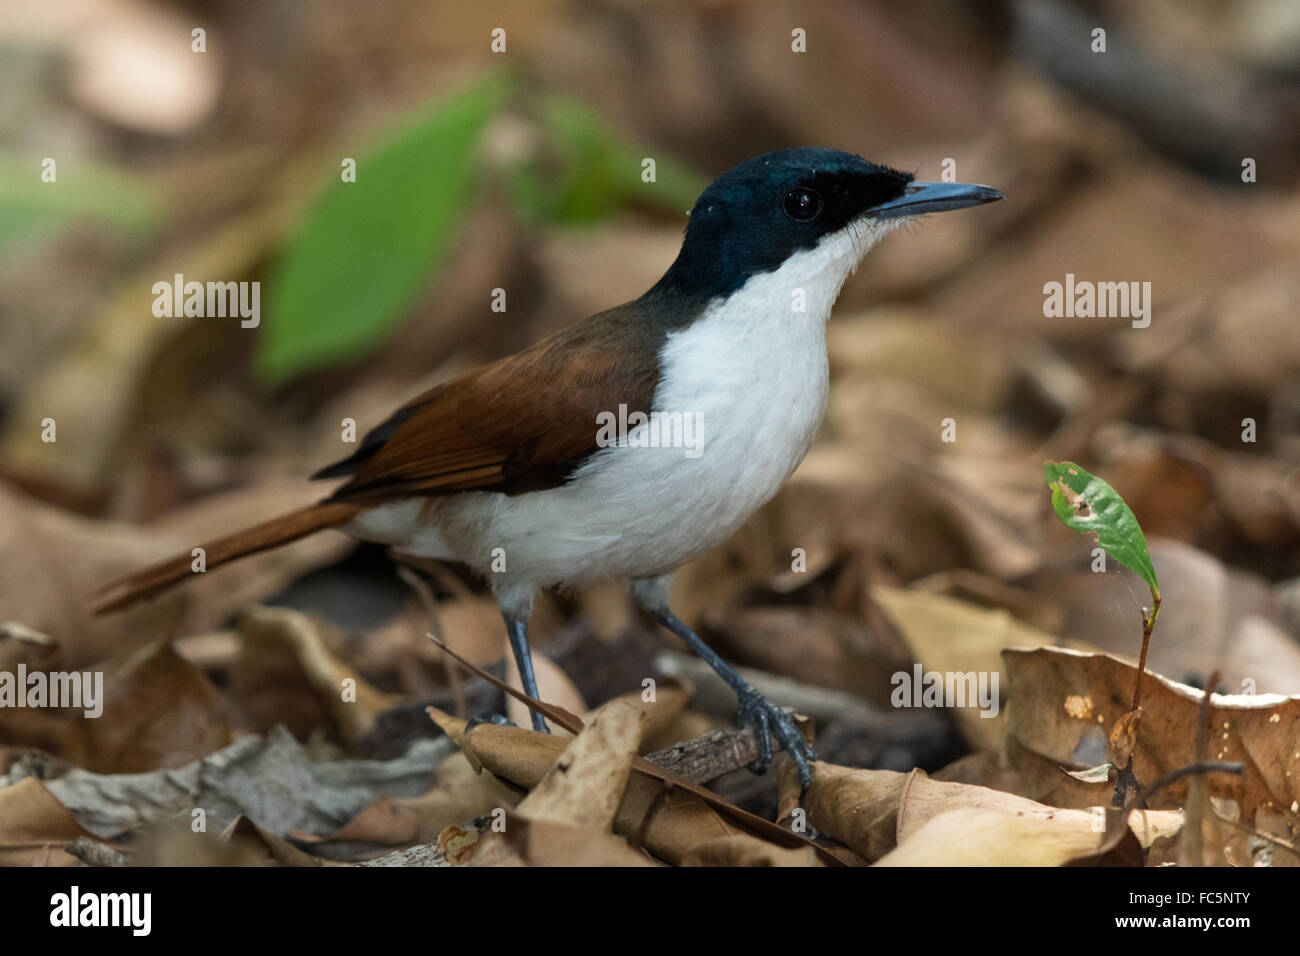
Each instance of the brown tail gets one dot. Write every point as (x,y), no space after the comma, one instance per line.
(262,537)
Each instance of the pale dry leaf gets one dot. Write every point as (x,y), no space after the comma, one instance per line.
(671,695)
(458,793)
(985,836)
(954,637)
(585,787)
(34,826)
(745,850)
(1044,734)
(159,711)
(526,842)
(352,702)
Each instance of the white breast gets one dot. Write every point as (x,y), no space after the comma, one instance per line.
(752,370)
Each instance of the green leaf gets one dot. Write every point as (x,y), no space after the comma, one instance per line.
(29,206)
(1087,504)
(366,248)
(588,172)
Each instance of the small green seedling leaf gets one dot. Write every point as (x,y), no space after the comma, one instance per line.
(1089,505)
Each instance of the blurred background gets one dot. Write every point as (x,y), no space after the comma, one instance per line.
(514,161)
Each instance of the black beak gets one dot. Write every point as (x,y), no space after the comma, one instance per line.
(920,198)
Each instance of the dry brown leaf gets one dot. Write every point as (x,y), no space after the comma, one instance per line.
(1216,245)
(953,637)
(984,768)
(1123,737)
(893,342)
(265,684)
(986,836)
(915,511)
(458,793)
(669,823)
(52,561)
(924,798)
(745,850)
(666,821)
(34,826)
(818,646)
(1263,731)
(1173,494)
(857,807)
(1242,340)
(386,822)
(873,811)
(346,696)
(159,711)
(523,757)
(660,782)
(54,731)
(565,819)
(585,787)
(526,842)
(257,847)
(671,696)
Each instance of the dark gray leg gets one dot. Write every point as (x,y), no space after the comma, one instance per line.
(517,629)
(755,710)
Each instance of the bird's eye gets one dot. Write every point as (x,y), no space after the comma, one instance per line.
(802,204)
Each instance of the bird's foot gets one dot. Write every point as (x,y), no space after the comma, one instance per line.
(488,717)
(492,717)
(765,717)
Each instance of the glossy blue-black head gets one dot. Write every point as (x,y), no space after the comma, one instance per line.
(758,214)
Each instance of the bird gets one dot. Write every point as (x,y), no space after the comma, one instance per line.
(637,439)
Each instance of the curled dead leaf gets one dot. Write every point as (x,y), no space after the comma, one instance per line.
(1259,730)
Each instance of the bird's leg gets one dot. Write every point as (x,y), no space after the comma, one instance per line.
(755,710)
(488,717)
(516,628)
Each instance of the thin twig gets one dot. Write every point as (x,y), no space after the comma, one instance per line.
(1196,769)
(1126,784)
(1193,842)
(1148,625)
(449,666)
(708,757)
(94,853)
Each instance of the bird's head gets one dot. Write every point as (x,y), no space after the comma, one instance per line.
(828,205)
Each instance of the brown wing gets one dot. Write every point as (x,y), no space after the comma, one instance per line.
(520,424)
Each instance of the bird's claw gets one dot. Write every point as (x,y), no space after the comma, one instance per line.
(764,717)
(488,717)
